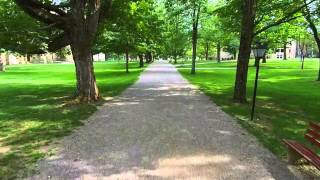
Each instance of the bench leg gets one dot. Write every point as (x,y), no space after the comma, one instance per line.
(293,156)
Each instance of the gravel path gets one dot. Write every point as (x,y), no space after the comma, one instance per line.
(162,128)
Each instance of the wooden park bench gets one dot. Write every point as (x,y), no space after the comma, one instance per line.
(297,151)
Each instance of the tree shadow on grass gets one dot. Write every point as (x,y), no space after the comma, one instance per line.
(33,116)
(283,110)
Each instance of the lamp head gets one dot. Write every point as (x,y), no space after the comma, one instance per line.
(259,50)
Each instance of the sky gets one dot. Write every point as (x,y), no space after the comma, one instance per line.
(56,1)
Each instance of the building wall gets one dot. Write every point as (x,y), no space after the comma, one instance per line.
(291,51)
(12,58)
(99,57)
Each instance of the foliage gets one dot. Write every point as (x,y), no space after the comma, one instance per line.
(136,27)
(20,33)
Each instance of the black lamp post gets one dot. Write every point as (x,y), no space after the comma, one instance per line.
(259,51)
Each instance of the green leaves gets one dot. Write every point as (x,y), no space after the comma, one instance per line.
(18,32)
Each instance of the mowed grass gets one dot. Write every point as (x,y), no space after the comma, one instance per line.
(288,97)
(34,109)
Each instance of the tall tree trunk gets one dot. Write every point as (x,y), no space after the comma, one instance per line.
(285,51)
(141,60)
(302,62)
(207,51)
(247,33)
(87,90)
(219,52)
(127,60)
(196,13)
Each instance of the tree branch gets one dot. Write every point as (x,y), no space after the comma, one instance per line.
(43,12)
(59,42)
(285,19)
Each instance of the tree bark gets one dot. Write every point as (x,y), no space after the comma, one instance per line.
(127,60)
(247,33)
(28,58)
(196,13)
(207,51)
(219,52)
(87,90)
(285,51)
(141,63)
(78,29)
(302,62)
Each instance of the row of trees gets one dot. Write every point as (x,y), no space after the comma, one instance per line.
(148,28)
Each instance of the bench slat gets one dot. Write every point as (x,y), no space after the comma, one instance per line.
(312,140)
(313,133)
(305,152)
(314,126)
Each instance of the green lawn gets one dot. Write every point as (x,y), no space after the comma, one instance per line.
(34,109)
(288,97)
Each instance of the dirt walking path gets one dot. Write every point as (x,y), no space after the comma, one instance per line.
(162,128)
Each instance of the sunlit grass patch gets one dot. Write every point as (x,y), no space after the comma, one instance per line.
(35,109)
(288,97)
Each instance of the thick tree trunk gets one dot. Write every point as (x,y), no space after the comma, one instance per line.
(141,63)
(87,90)
(247,33)
(219,52)
(196,13)
(285,51)
(78,29)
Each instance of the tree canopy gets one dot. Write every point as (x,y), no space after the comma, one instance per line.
(169,29)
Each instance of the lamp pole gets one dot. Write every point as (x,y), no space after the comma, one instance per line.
(259,52)
(255,88)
